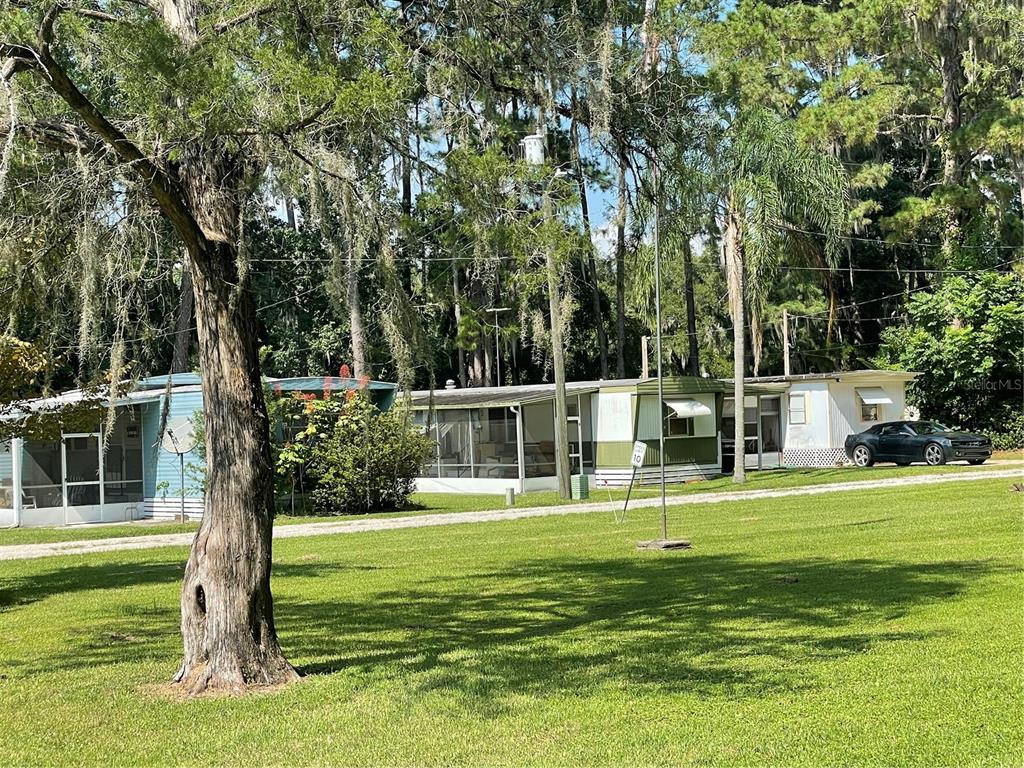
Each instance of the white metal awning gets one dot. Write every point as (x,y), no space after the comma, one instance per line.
(688,408)
(873,396)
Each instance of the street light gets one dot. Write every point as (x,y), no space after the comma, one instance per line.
(497,338)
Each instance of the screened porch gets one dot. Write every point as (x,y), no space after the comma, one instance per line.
(84,477)
(493,447)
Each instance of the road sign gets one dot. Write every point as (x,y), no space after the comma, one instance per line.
(639,451)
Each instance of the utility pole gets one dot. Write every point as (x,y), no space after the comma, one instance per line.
(785,342)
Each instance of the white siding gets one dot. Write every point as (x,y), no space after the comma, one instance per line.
(845,411)
(814,433)
(614,420)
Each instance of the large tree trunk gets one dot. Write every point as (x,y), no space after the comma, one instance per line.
(620,272)
(693,358)
(734,277)
(227,612)
(227,615)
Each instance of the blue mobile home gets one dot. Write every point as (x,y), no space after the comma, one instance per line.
(123,473)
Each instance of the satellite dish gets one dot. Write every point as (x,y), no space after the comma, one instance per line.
(178,436)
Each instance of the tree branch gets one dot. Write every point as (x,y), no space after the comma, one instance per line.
(64,137)
(223,26)
(18,58)
(165,189)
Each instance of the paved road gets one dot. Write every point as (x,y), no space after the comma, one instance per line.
(26,551)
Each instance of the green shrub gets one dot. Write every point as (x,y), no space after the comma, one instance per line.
(1009,436)
(358,459)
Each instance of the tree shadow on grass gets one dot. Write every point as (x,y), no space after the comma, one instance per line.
(716,624)
(673,623)
(131,628)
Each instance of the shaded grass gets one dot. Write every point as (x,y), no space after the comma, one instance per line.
(429,503)
(875,627)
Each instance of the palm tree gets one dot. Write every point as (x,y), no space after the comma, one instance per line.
(775,189)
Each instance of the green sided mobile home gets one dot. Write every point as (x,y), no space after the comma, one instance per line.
(489,439)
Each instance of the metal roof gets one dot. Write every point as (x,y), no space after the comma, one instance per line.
(836,375)
(496,397)
(153,388)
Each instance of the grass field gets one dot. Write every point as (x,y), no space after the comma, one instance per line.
(427,503)
(870,627)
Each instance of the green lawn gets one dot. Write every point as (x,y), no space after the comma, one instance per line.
(427,503)
(874,627)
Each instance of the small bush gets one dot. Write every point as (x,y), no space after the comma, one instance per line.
(1009,435)
(359,459)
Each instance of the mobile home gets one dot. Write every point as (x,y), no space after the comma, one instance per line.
(103,474)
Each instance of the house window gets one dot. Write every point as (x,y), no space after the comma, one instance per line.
(679,427)
(798,408)
(872,400)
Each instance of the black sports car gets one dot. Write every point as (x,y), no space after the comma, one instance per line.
(906,441)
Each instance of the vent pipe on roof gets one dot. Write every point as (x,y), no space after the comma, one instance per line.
(450,384)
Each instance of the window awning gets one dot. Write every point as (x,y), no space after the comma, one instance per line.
(688,408)
(873,396)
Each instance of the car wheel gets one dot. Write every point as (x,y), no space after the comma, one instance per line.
(862,456)
(976,462)
(934,455)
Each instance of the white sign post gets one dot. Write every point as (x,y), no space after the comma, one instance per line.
(639,451)
(637,461)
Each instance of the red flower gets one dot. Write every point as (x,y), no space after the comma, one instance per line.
(345,372)
(364,381)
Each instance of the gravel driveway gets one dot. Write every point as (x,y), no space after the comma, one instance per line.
(25,551)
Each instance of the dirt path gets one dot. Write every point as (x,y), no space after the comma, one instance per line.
(25,551)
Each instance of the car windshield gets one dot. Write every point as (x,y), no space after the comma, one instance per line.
(928,427)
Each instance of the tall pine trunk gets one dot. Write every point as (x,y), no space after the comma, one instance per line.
(951,68)
(693,358)
(734,278)
(620,271)
(591,260)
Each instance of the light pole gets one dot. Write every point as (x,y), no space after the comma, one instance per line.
(497,339)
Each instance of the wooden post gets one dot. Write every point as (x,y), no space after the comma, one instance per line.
(645,371)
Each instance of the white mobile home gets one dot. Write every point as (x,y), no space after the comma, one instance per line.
(817,411)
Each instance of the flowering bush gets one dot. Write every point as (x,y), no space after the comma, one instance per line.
(356,458)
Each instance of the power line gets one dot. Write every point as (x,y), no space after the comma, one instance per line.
(906,243)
